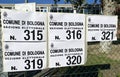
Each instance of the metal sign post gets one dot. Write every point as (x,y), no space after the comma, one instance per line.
(2,74)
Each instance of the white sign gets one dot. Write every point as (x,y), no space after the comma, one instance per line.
(26,7)
(23,40)
(101,28)
(66,39)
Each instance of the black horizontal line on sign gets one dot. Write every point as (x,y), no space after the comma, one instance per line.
(25,41)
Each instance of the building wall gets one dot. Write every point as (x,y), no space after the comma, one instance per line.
(66,8)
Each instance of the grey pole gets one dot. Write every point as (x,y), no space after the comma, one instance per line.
(2,74)
(26,1)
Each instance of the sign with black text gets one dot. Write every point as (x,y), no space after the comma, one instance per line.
(23,40)
(101,28)
(67,42)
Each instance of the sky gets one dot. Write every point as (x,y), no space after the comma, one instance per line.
(37,1)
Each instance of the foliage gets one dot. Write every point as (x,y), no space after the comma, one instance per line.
(75,3)
(0,6)
(118,1)
(55,1)
(118,76)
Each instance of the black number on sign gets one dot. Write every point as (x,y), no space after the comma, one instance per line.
(69,34)
(27,64)
(33,35)
(39,63)
(39,35)
(27,34)
(73,60)
(32,64)
(73,34)
(107,35)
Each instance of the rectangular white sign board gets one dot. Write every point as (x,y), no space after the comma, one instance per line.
(66,39)
(101,28)
(26,7)
(23,40)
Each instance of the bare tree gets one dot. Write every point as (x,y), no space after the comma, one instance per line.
(108,8)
